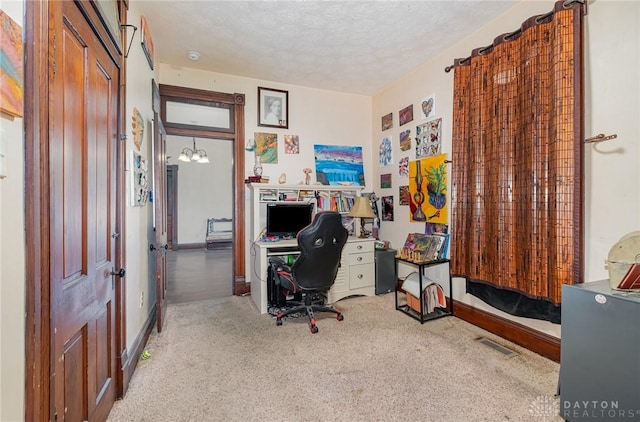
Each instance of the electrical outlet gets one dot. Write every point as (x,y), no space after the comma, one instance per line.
(141,299)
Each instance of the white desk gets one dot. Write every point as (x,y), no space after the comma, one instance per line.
(356,275)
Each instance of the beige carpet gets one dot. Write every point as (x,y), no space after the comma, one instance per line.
(220,360)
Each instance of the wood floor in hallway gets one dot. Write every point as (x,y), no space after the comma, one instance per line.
(199,274)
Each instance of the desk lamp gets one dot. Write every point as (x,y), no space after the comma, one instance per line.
(362,209)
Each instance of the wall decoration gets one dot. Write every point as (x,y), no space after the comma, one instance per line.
(385,180)
(385,152)
(403,195)
(403,167)
(428,190)
(428,106)
(137,126)
(273,107)
(339,165)
(429,138)
(146,41)
(266,147)
(291,144)
(139,180)
(11,69)
(405,140)
(387,208)
(405,115)
(387,121)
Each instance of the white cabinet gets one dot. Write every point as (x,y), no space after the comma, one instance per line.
(356,275)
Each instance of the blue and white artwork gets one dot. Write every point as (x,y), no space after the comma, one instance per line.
(385,152)
(339,165)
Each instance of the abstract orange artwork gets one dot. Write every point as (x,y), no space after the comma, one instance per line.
(11,73)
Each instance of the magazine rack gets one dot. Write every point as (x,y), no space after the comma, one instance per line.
(423,316)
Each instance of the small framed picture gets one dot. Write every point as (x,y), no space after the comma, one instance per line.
(273,108)
(145,40)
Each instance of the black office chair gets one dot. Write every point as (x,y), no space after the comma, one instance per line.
(314,270)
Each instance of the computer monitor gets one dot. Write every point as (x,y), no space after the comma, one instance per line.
(286,220)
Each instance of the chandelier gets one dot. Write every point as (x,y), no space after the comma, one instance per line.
(195,154)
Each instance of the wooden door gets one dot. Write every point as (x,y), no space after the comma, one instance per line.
(160,205)
(83,132)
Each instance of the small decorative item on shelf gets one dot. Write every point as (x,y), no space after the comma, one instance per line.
(257,167)
(307,175)
(251,145)
(283,179)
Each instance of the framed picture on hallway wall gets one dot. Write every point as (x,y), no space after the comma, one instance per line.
(273,108)
(145,40)
(139,180)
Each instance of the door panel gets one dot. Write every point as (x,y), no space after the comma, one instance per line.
(83,140)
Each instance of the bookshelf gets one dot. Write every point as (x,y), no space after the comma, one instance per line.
(324,197)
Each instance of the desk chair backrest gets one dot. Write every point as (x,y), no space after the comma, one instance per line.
(320,245)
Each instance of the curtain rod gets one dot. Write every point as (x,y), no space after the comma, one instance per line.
(539,19)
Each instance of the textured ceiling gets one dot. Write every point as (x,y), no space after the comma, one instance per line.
(350,46)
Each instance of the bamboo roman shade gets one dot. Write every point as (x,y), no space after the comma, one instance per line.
(517,158)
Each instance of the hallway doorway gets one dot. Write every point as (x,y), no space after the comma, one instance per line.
(197,192)
(203,116)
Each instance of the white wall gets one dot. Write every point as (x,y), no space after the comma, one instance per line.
(12,267)
(612,178)
(204,190)
(316,116)
(139,227)
(612,105)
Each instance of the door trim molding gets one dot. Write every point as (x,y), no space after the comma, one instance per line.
(237,100)
(36,170)
(173,190)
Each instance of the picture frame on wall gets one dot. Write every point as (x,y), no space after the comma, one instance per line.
(273,108)
(139,180)
(146,41)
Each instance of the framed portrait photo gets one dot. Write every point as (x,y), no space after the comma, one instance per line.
(273,108)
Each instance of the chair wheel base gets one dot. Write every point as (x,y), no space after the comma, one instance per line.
(314,329)
(339,317)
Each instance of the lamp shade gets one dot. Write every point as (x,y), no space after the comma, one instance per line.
(361,208)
